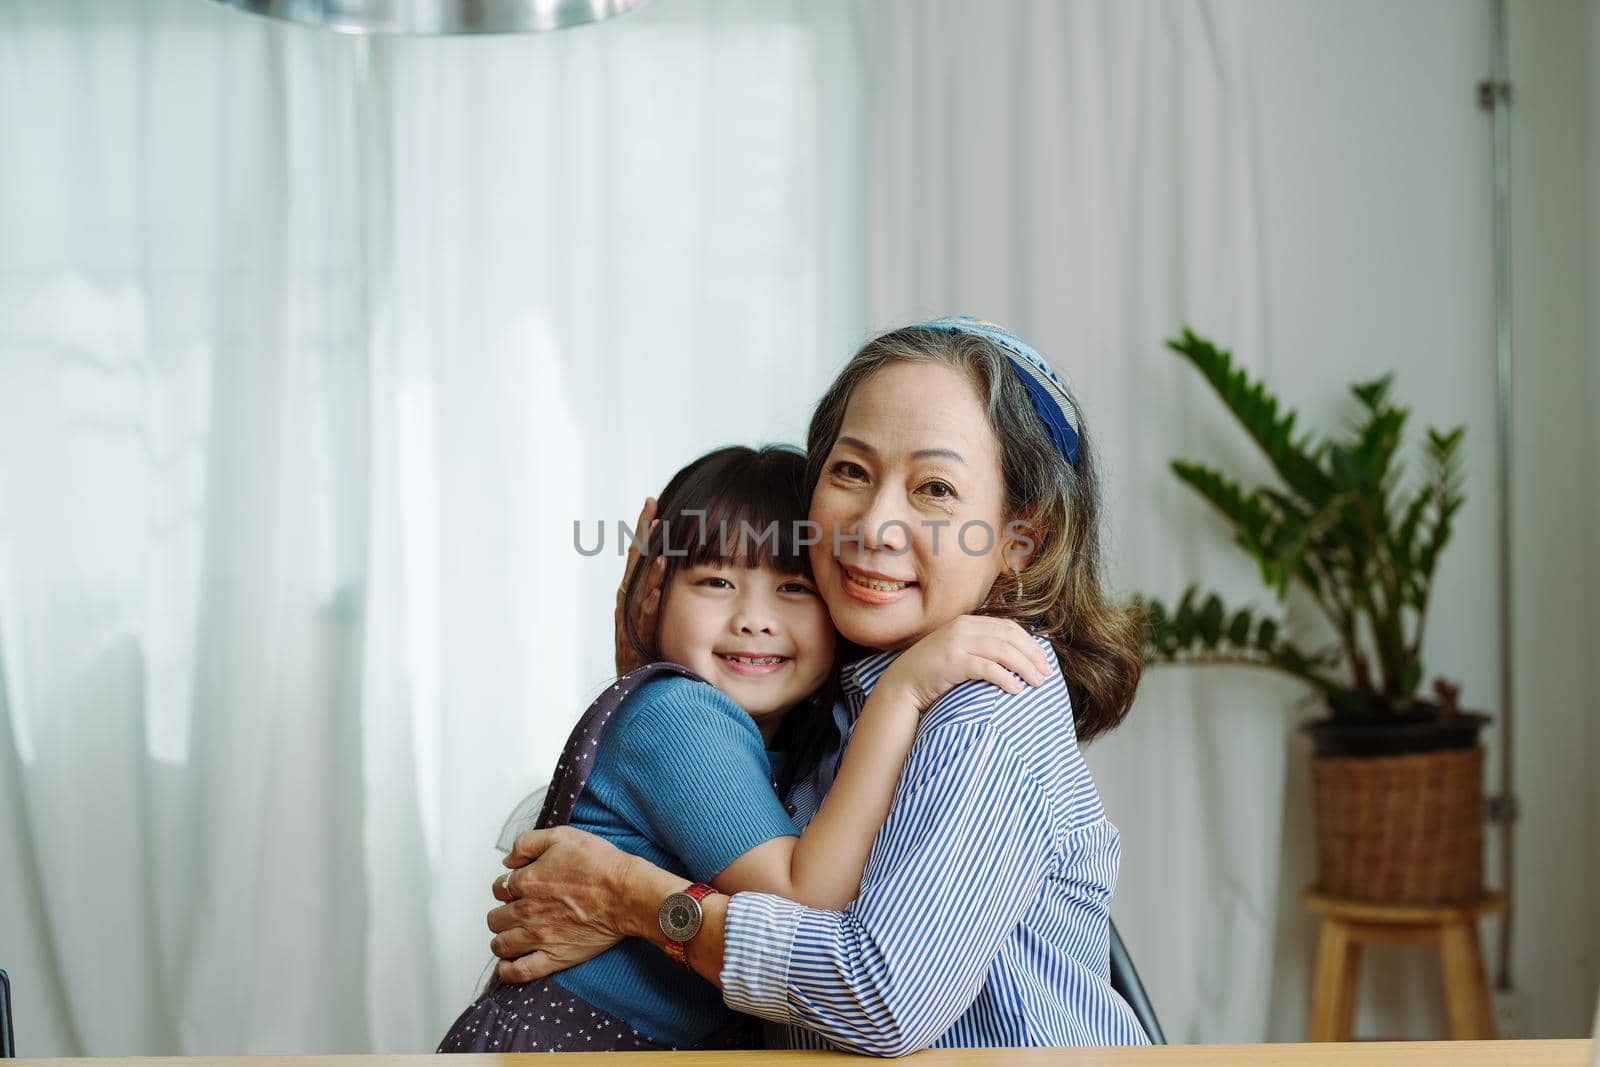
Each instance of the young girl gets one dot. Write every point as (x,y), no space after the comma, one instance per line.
(682,762)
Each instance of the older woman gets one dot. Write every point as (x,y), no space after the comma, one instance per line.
(950,474)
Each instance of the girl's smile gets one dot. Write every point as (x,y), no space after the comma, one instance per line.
(753,663)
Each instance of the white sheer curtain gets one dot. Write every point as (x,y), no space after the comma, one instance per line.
(1307,184)
(312,350)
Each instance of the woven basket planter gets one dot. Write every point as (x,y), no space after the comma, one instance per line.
(1400,829)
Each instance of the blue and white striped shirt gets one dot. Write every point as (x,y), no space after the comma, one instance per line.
(982,918)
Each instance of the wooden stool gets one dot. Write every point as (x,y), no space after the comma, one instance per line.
(1349,924)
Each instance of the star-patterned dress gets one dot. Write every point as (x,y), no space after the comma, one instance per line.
(666,767)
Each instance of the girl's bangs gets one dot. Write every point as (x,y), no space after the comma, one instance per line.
(742,509)
(750,533)
(739,506)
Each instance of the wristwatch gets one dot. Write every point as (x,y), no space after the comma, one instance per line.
(680,919)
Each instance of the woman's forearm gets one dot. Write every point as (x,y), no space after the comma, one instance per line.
(644,889)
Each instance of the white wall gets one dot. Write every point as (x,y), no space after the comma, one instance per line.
(1555,75)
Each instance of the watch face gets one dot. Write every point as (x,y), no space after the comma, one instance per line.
(680,916)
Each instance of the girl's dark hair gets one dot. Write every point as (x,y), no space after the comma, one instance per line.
(1063,595)
(737,506)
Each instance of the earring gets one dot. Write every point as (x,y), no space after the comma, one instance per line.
(1017,574)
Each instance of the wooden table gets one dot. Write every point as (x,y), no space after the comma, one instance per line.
(1359,1054)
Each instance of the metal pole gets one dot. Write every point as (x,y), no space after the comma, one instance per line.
(1495,96)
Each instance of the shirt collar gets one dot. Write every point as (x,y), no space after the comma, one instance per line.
(859,677)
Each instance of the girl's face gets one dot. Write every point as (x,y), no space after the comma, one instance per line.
(914,489)
(760,636)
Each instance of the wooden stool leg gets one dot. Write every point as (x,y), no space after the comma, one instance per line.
(1466,989)
(1333,1005)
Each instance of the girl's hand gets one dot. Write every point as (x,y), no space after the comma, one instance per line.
(649,601)
(968,648)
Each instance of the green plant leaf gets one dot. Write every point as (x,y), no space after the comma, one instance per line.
(1447,498)
(1258,413)
(1267,635)
(1343,524)
(1404,542)
(1188,636)
(1373,394)
(1239,629)
(1211,619)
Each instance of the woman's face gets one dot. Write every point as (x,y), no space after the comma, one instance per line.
(759,635)
(911,507)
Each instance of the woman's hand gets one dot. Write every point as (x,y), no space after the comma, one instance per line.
(967,648)
(562,905)
(628,657)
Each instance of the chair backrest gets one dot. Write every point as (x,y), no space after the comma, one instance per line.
(8,1046)
(1125,980)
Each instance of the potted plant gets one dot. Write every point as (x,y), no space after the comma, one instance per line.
(1398,775)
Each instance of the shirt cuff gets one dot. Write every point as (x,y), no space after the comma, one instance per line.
(758,939)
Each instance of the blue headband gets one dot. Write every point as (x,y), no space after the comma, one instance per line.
(1044,386)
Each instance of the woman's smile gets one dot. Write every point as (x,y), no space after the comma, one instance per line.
(870,587)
